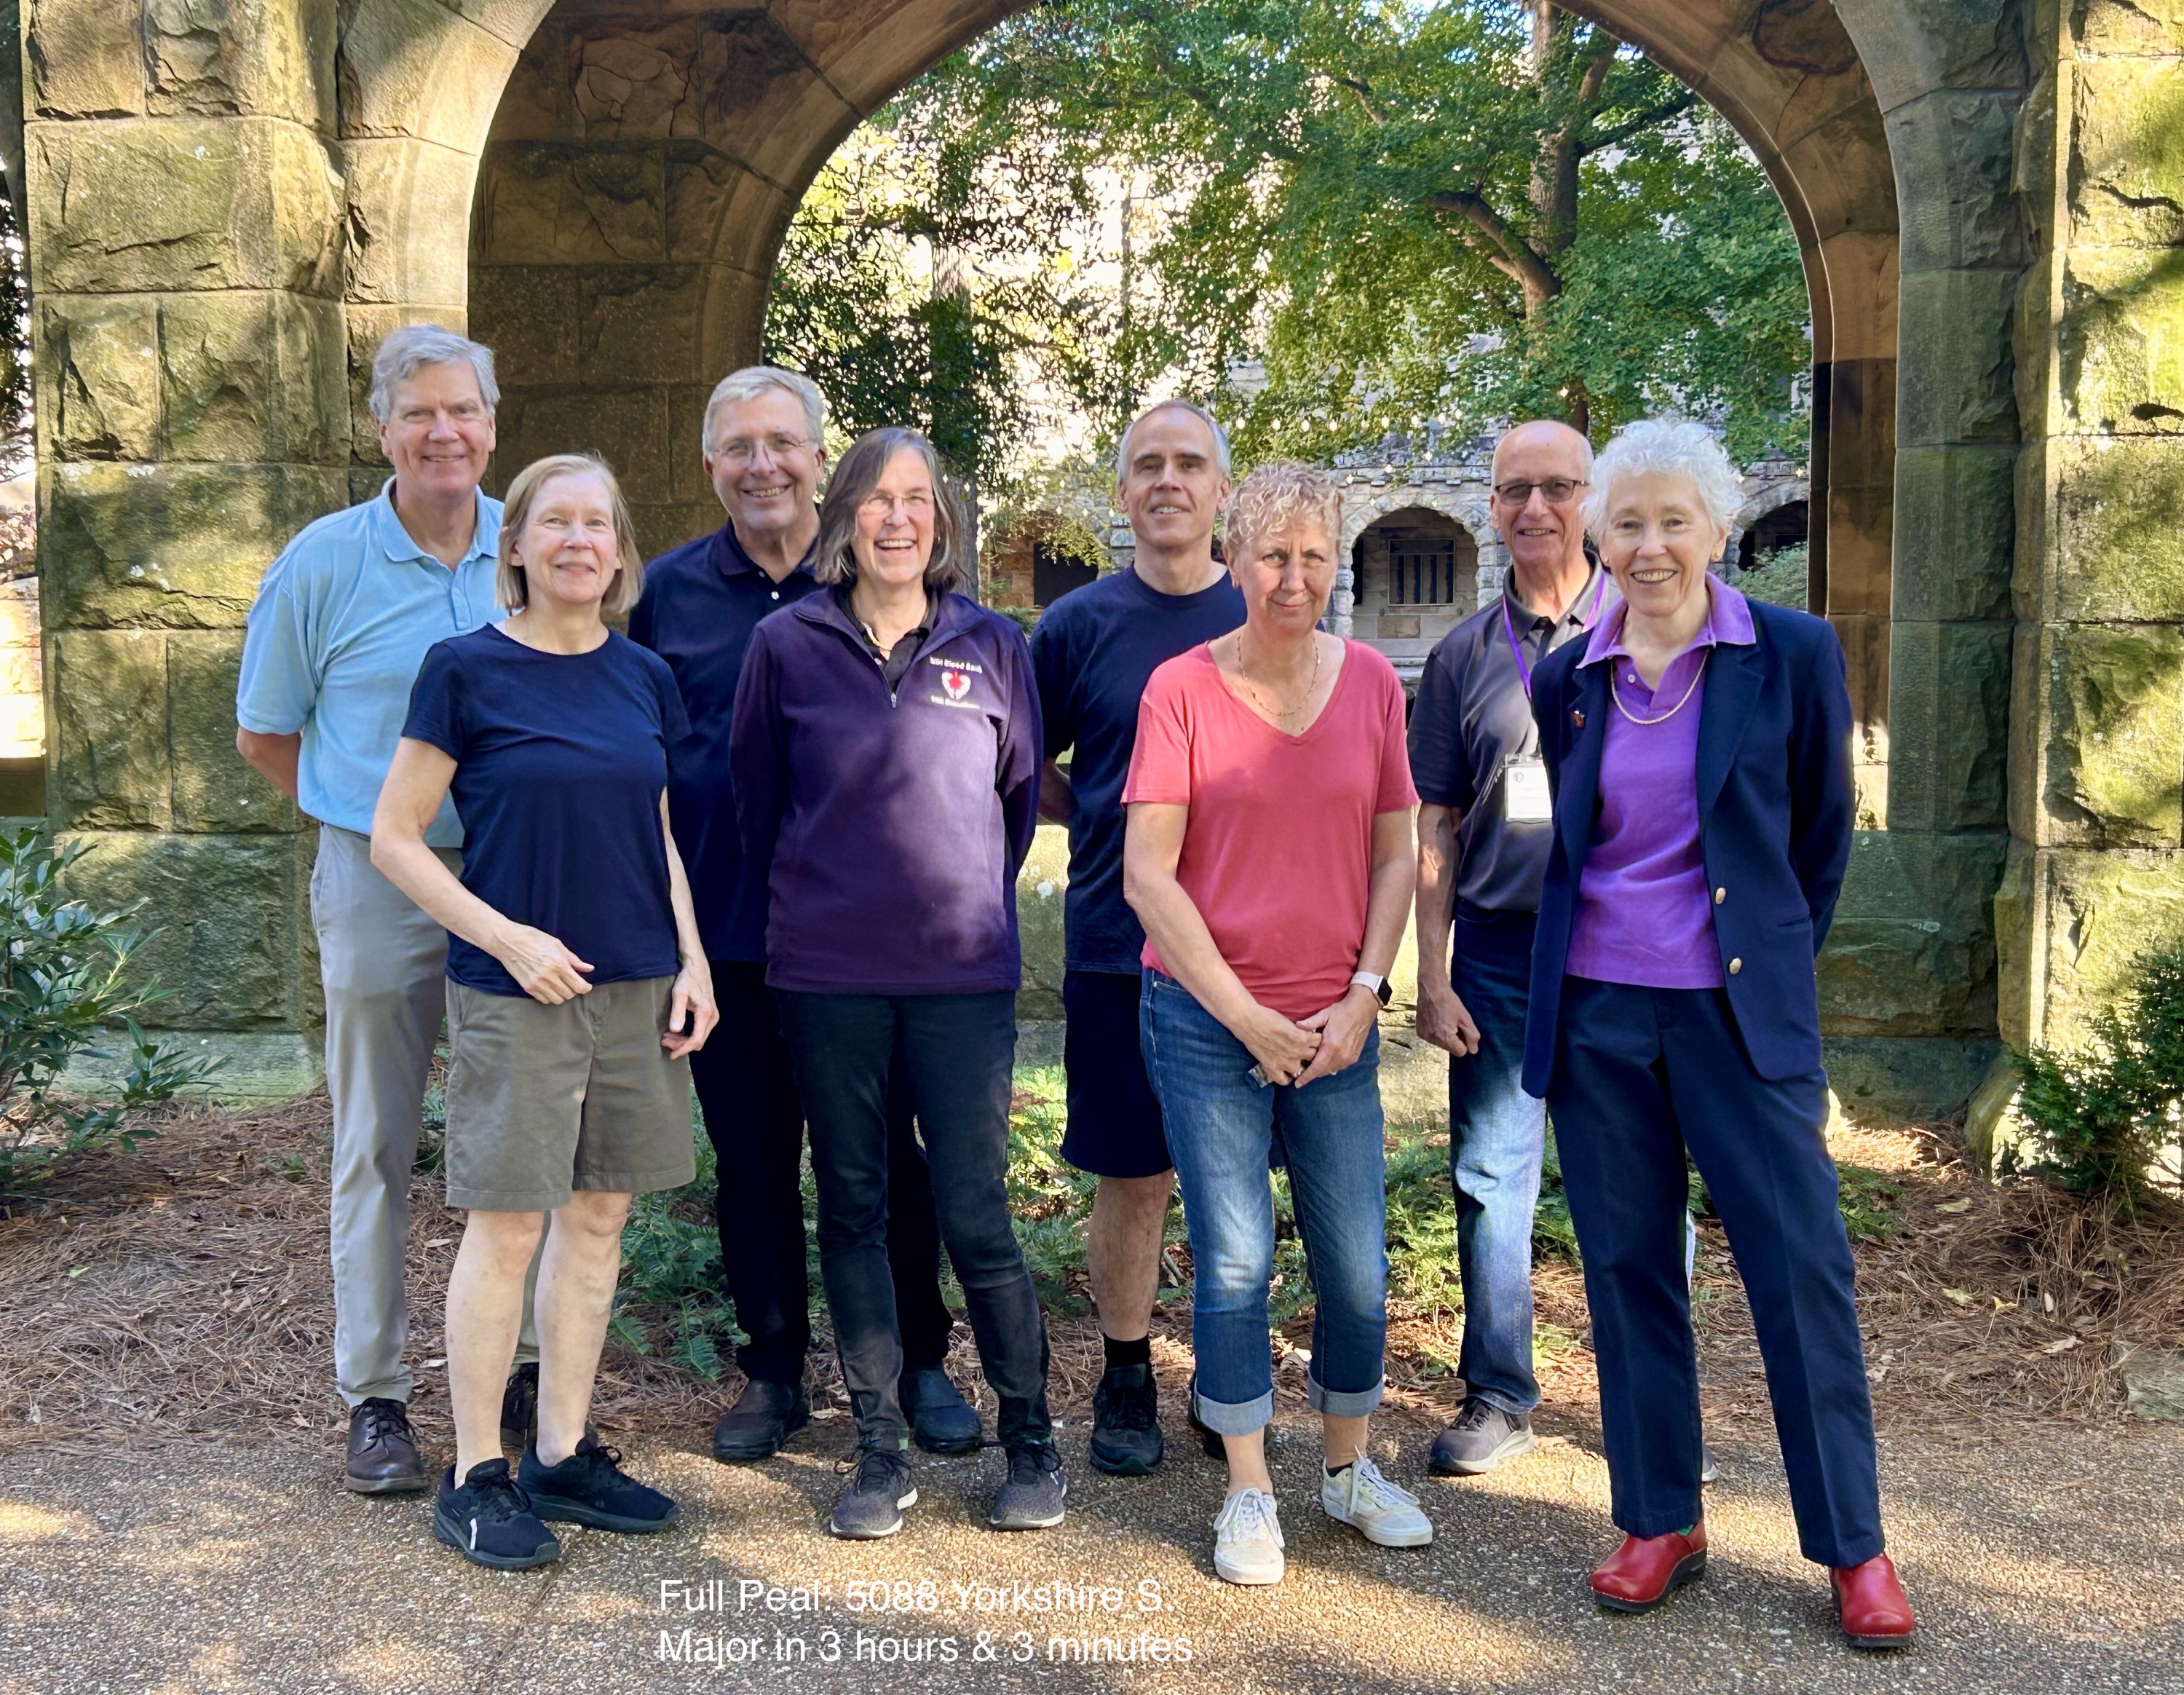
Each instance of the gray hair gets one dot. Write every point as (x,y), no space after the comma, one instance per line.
(408,350)
(755,379)
(1205,417)
(954,565)
(1669,447)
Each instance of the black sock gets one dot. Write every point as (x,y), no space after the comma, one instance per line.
(1139,1352)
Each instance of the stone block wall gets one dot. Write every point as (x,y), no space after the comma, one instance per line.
(187,237)
(230,202)
(2096,767)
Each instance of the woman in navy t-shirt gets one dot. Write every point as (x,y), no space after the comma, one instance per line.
(577,985)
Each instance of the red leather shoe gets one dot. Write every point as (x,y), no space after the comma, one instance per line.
(1871,1604)
(1642,1574)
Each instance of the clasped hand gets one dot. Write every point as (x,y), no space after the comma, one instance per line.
(1304,1051)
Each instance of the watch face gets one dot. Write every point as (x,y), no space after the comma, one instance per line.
(1387,991)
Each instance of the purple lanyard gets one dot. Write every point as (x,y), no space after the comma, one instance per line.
(1509,628)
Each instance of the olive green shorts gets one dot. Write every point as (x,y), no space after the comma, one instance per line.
(543,1101)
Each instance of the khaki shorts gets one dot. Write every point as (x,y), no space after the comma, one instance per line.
(543,1100)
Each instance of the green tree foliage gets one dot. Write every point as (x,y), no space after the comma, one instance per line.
(875,299)
(1413,214)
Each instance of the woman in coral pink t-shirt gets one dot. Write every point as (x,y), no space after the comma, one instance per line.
(1268,856)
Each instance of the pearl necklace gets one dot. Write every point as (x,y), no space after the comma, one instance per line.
(1616,694)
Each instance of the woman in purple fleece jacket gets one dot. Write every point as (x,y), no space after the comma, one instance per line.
(885,760)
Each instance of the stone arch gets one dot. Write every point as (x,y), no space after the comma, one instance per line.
(1768,489)
(258,204)
(1369,607)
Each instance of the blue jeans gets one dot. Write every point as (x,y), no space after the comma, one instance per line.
(1496,1136)
(1221,1128)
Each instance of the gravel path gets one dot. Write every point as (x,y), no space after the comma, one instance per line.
(2055,1563)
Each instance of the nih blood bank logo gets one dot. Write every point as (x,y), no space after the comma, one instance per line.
(956,684)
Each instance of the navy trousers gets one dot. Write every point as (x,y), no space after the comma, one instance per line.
(1640,1075)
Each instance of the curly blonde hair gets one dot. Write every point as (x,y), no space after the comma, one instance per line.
(1282,495)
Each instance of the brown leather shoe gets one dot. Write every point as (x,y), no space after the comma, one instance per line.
(383,1451)
(1870,1602)
(1642,1573)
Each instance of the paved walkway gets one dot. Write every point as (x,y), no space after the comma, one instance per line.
(2054,1565)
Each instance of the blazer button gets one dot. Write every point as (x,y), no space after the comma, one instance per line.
(1736,965)
(1720,896)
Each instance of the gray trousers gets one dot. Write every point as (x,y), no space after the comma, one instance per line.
(384,963)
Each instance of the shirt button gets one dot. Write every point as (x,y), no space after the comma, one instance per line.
(1720,896)
(775,595)
(1736,965)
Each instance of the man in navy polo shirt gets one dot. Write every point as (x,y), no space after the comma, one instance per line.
(1092,655)
(764,451)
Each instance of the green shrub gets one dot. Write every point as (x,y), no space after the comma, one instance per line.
(2105,1110)
(63,994)
(672,1298)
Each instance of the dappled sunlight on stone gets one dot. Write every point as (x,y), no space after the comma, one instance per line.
(21,1523)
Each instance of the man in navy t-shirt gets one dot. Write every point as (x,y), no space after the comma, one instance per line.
(765,453)
(1092,655)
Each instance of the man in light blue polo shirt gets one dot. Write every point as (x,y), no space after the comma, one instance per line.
(343,621)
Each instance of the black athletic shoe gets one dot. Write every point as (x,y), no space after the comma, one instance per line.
(489,1520)
(765,1416)
(1481,1438)
(590,1488)
(1126,1433)
(940,1418)
(871,1506)
(1031,1498)
(519,1406)
(382,1456)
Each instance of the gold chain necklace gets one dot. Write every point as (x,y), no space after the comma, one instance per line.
(1616,694)
(1280,717)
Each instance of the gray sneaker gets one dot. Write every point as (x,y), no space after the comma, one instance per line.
(1031,1499)
(871,1506)
(1481,1438)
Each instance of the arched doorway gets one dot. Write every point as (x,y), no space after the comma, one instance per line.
(1415,574)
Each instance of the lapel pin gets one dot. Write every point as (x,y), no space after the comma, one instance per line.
(1577,717)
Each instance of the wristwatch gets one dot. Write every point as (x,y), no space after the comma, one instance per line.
(1379,985)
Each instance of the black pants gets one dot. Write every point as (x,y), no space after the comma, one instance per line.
(956,1051)
(747,1087)
(1641,1075)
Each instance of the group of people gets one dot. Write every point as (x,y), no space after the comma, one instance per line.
(767,844)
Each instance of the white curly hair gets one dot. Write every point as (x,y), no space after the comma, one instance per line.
(1672,447)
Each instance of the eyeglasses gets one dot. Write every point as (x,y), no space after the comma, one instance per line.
(741,450)
(883,505)
(1559,490)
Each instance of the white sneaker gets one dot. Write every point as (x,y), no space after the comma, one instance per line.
(1358,1495)
(1247,1541)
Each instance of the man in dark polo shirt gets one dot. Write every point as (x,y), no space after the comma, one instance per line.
(765,452)
(1092,655)
(1483,830)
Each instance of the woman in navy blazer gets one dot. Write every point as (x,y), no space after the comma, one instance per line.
(1698,747)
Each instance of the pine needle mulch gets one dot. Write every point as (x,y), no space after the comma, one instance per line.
(182,1293)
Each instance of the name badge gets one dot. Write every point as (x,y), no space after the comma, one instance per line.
(1525,797)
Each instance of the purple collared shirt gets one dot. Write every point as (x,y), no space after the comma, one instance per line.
(1643,914)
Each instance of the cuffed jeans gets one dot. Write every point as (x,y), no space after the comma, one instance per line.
(1221,1128)
(957,1051)
(746,1085)
(384,964)
(1497,1140)
(1640,1075)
